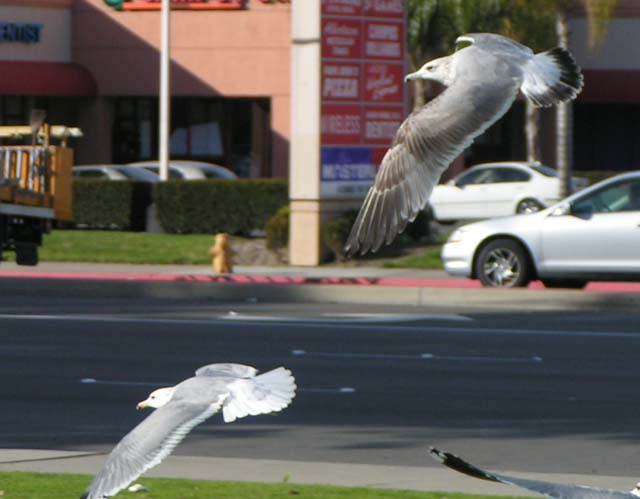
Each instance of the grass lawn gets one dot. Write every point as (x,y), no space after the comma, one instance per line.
(125,247)
(19,485)
(102,246)
(427,259)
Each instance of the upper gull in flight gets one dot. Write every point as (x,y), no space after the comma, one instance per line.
(547,489)
(482,80)
(233,388)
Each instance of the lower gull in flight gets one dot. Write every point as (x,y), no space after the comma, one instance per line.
(233,388)
(482,80)
(547,489)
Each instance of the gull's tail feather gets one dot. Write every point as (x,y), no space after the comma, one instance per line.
(269,392)
(552,77)
(458,464)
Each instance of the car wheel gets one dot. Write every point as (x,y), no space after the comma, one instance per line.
(564,283)
(503,263)
(528,206)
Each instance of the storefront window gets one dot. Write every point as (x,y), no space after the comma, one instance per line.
(227,132)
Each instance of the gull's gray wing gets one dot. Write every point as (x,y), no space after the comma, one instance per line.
(150,442)
(495,43)
(227,370)
(427,142)
(547,489)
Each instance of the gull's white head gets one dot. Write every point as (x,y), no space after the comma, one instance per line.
(636,490)
(439,70)
(157,398)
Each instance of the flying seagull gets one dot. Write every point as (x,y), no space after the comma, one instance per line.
(547,489)
(233,388)
(482,80)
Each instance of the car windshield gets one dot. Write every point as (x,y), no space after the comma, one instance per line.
(544,170)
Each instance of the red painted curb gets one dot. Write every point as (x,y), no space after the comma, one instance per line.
(611,287)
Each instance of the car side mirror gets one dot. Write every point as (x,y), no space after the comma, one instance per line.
(582,210)
(561,210)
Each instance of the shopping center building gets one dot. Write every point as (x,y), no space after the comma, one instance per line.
(95,63)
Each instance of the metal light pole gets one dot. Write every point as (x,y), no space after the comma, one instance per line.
(165,92)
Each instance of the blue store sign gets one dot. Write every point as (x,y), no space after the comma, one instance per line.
(20,33)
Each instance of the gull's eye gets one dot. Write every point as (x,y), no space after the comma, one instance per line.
(430,67)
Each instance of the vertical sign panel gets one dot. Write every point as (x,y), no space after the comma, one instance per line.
(363,100)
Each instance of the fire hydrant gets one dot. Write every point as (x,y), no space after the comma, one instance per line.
(221,254)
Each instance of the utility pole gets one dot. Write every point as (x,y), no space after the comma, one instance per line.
(165,89)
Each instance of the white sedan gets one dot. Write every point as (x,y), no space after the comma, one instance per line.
(593,235)
(497,189)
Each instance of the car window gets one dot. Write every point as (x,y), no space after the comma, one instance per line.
(621,196)
(510,175)
(544,170)
(156,169)
(474,177)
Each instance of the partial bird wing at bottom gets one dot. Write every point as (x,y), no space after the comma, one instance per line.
(547,489)
(424,146)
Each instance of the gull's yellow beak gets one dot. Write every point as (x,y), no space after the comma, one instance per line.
(142,405)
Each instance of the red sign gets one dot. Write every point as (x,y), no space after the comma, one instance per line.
(341,38)
(383,40)
(381,124)
(341,81)
(383,82)
(342,7)
(177,4)
(384,8)
(341,124)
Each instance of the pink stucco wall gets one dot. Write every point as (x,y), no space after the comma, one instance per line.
(243,53)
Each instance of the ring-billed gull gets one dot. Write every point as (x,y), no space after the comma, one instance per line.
(233,388)
(547,489)
(482,80)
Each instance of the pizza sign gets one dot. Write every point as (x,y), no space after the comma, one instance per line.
(362,85)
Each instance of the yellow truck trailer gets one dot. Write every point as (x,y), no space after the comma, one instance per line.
(35,187)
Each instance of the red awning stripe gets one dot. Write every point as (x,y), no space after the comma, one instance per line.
(57,79)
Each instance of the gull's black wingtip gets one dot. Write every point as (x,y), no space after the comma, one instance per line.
(460,465)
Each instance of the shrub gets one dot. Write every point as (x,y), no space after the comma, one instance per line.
(336,232)
(420,228)
(212,206)
(98,204)
(277,229)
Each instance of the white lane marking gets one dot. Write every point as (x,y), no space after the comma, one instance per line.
(331,318)
(356,327)
(420,356)
(94,381)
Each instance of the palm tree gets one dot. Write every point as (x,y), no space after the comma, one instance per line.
(434,25)
(540,24)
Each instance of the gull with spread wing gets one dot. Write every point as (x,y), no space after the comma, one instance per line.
(482,79)
(233,389)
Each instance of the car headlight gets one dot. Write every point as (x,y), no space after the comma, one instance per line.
(457,235)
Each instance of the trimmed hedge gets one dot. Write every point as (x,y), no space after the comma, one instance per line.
(211,206)
(117,205)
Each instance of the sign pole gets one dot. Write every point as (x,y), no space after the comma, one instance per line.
(165,91)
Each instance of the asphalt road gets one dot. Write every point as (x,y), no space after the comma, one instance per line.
(541,392)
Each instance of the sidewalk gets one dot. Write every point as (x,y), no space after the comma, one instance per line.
(431,477)
(368,285)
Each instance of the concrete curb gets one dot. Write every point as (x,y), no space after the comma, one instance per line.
(329,290)
(429,477)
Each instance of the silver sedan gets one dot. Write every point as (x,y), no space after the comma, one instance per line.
(593,235)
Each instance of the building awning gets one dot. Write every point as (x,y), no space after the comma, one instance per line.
(56,79)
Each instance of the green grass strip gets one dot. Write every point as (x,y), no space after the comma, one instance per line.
(22,485)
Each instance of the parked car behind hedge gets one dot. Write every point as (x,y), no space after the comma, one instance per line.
(187,170)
